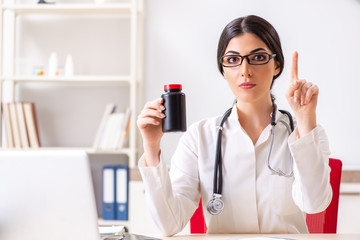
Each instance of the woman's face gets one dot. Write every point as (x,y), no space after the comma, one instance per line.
(250,83)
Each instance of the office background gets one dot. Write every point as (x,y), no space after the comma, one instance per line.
(180,42)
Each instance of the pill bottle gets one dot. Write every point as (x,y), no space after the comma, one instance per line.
(175,109)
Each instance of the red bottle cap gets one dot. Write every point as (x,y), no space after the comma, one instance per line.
(172,86)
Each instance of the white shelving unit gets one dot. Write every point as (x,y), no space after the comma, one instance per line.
(133,9)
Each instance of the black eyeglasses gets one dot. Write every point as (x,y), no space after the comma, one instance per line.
(234,60)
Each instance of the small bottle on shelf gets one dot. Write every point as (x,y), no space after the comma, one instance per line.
(69,66)
(53,65)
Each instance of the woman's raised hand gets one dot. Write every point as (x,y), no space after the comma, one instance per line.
(149,123)
(302,97)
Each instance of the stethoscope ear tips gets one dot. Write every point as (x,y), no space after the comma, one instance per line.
(215,205)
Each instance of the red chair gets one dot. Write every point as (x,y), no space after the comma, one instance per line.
(197,221)
(323,222)
(326,221)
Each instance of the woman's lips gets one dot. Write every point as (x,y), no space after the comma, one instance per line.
(247,85)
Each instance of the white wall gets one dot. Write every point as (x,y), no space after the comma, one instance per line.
(349,208)
(180,46)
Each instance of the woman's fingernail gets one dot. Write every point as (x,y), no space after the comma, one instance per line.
(162,107)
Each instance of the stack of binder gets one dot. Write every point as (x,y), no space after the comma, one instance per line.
(115,192)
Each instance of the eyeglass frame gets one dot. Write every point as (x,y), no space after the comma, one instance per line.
(271,56)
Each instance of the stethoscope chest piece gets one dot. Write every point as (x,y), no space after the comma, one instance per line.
(215,205)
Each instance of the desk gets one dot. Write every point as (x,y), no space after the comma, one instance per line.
(347,176)
(240,236)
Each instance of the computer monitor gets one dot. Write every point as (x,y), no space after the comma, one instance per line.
(46,195)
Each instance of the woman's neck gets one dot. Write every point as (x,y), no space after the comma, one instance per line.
(257,109)
(254,117)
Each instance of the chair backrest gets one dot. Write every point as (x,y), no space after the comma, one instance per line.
(326,221)
(323,222)
(197,221)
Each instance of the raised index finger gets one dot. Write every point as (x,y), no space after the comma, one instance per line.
(294,67)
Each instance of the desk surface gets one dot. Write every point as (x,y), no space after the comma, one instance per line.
(242,236)
(348,176)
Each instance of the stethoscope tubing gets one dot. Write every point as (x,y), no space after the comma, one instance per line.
(217,188)
(217,184)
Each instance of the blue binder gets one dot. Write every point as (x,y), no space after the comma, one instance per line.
(122,192)
(108,193)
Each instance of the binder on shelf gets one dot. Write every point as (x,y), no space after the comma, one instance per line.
(122,192)
(115,205)
(108,193)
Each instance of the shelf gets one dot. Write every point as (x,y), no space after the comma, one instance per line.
(77,79)
(127,86)
(132,10)
(108,8)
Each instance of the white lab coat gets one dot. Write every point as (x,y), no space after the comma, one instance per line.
(255,200)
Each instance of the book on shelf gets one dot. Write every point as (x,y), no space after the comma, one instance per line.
(31,124)
(14,125)
(20,117)
(109,109)
(113,129)
(20,125)
(124,131)
(7,123)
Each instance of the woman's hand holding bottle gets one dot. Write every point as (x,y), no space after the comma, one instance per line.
(149,123)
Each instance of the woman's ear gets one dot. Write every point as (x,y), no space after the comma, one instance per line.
(277,68)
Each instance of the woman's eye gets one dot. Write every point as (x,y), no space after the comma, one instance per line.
(233,60)
(260,57)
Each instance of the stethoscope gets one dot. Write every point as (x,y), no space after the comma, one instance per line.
(216,205)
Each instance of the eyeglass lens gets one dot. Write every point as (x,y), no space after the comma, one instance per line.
(254,59)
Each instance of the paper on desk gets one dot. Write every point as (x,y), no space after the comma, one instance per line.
(111,231)
(111,238)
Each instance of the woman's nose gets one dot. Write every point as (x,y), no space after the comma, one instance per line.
(245,69)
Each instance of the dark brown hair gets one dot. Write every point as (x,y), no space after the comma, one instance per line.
(258,26)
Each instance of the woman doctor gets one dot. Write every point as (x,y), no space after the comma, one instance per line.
(269,180)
